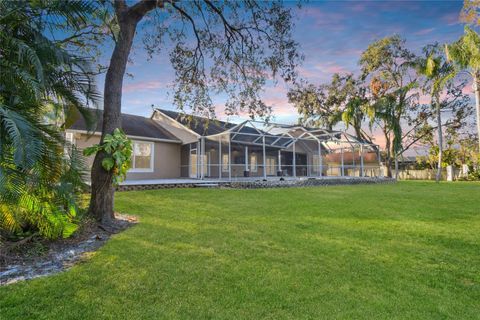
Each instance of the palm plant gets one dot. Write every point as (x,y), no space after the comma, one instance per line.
(437,72)
(39,181)
(465,53)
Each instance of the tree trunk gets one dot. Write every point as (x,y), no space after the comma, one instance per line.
(476,90)
(358,132)
(101,202)
(388,158)
(396,165)
(440,140)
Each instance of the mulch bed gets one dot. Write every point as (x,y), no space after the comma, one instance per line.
(34,257)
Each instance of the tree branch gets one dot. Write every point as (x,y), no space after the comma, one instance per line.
(120,6)
(199,44)
(140,9)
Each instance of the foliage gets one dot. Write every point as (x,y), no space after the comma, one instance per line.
(398,251)
(474,174)
(459,149)
(437,73)
(232,47)
(39,179)
(119,154)
(471,12)
(343,99)
(388,65)
(465,53)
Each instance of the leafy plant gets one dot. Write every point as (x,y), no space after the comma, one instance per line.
(118,149)
(40,179)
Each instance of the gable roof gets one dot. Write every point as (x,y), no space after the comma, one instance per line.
(132,125)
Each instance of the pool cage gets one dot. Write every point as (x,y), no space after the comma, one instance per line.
(254,149)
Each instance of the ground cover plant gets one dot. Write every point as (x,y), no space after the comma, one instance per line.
(402,251)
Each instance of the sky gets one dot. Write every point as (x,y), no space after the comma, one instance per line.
(331,34)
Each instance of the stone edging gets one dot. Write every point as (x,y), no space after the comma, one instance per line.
(308,183)
(263,184)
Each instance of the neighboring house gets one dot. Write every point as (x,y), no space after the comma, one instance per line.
(169,145)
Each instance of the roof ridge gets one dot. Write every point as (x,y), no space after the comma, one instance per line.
(193,115)
(122,113)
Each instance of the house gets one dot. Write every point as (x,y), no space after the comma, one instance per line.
(171,145)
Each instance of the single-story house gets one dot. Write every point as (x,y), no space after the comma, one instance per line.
(172,145)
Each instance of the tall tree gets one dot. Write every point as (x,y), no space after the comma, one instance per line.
(389,66)
(465,53)
(437,72)
(344,100)
(236,46)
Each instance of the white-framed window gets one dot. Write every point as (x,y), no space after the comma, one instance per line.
(69,137)
(143,156)
(253,163)
(225,162)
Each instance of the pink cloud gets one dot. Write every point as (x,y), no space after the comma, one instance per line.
(358,7)
(425,31)
(451,18)
(144,86)
(424,99)
(332,21)
(468,89)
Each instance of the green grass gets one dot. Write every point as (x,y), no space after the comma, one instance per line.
(404,251)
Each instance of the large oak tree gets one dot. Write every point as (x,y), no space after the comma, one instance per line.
(232,47)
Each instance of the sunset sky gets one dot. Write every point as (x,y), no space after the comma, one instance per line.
(332,35)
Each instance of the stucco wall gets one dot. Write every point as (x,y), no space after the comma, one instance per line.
(166,158)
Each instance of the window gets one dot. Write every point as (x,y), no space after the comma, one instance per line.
(225,162)
(69,137)
(253,162)
(142,160)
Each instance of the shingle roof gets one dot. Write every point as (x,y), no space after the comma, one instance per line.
(203,126)
(132,125)
(199,125)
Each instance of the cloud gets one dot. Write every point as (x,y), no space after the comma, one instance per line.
(468,89)
(451,18)
(425,31)
(359,7)
(144,86)
(333,21)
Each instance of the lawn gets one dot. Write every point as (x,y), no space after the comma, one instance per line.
(404,251)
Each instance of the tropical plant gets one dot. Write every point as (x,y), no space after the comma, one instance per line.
(465,53)
(437,72)
(388,64)
(40,179)
(118,150)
